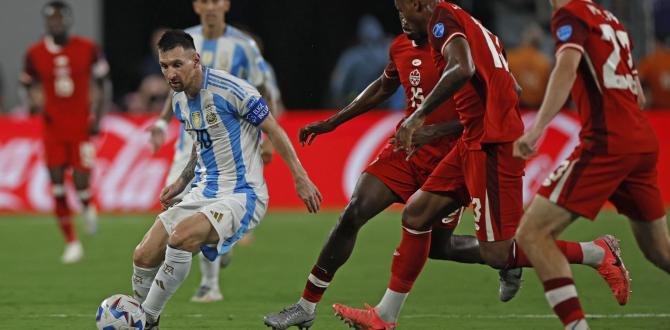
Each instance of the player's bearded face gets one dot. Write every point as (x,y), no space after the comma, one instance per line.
(179,67)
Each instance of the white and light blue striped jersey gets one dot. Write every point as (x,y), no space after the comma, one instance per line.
(234,52)
(223,123)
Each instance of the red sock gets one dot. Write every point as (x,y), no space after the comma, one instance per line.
(571,250)
(562,297)
(408,260)
(317,283)
(64,216)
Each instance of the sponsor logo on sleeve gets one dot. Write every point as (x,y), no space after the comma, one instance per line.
(564,32)
(258,111)
(438,30)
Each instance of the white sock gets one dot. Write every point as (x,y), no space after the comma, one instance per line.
(175,268)
(209,272)
(593,253)
(389,307)
(307,305)
(577,325)
(142,279)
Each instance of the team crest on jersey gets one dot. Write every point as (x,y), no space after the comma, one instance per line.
(415,77)
(196,119)
(564,32)
(210,114)
(416,62)
(438,30)
(207,58)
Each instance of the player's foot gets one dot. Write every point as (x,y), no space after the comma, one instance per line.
(510,283)
(73,253)
(293,315)
(612,269)
(362,319)
(226,259)
(152,323)
(205,294)
(91,219)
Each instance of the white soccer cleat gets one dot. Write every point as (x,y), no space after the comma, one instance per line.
(73,253)
(91,219)
(205,294)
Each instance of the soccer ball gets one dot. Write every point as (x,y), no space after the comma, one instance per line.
(120,312)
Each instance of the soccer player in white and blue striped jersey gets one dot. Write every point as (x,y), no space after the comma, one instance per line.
(225,116)
(223,47)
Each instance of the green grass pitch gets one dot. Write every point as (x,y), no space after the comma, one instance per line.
(37,292)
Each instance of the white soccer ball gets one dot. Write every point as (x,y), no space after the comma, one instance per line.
(120,312)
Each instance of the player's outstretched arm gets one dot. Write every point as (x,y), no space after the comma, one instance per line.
(159,128)
(169,194)
(306,190)
(373,95)
(459,70)
(560,83)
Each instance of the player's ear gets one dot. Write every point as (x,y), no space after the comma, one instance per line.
(196,58)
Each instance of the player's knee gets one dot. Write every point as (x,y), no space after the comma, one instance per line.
(412,218)
(353,218)
(183,239)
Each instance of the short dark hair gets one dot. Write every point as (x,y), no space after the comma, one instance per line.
(175,38)
(52,6)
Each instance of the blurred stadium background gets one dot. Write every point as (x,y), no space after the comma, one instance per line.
(323,53)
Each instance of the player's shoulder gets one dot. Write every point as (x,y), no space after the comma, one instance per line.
(36,47)
(574,9)
(234,32)
(446,5)
(82,41)
(194,30)
(223,80)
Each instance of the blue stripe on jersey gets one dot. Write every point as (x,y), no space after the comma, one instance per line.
(205,80)
(182,126)
(210,45)
(224,86)
(240,61)
(227,82)
(197,175)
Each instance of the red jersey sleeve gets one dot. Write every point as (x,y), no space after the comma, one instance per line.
(29,73)
(444,26)
(568,30)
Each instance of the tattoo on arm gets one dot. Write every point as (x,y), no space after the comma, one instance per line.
(189,171)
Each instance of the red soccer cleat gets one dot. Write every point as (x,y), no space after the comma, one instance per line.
(362,319)
(613,270)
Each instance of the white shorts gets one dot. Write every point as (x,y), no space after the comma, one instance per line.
(180,160)
(231,216)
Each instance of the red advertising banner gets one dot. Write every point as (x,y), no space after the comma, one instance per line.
(128,177)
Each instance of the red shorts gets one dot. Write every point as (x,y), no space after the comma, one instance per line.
(79,155)
(404,178)
(491,180)
(585,181)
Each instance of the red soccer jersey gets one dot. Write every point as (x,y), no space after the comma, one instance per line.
(413,65)
(65,75)
(605,90)
(488,104)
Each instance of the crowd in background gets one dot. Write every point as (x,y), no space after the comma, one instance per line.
(523,26)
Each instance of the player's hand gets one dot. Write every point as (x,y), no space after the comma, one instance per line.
(308,193)
(405,134)
(267,150)
(170,193)
(156,138)
(524,147)
(308,133)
